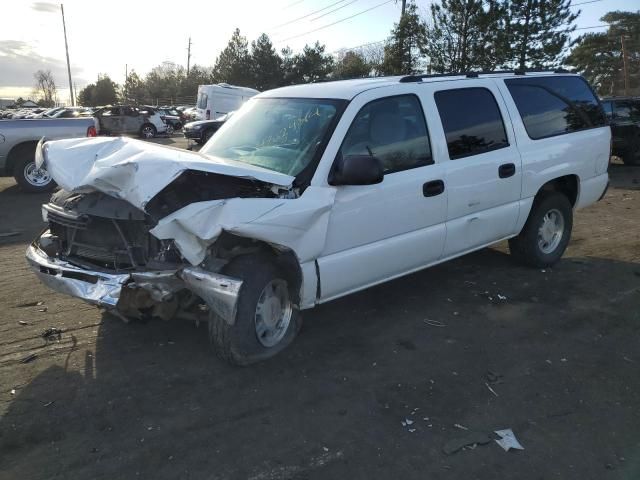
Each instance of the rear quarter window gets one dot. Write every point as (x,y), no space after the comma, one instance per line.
(471,120)
(555,105)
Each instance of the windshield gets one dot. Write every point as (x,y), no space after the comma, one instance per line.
(281,134)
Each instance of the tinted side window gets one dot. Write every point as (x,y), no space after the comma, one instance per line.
(608,109)
(472,121)
(555,105)
(628,110)
(202,101)
(393,130)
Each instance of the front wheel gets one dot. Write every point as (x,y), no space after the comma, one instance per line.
(547,232)
(206,135)
(267,319)
(31,178)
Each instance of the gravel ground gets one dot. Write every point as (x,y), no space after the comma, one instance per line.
(556,360)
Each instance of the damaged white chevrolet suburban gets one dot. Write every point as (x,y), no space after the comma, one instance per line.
(312,192)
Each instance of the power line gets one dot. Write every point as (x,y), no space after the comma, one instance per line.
(308,14)
(584,3)
(334,10)
(336,22)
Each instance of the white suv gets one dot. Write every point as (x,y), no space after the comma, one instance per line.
(312,192)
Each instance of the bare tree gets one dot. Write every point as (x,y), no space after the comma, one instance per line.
(45,88)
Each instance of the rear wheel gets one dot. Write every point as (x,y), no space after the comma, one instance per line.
(148,131)
(267,319)
(29,177)
(547,232)
(169,130)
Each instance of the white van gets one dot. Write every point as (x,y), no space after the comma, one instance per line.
(215,101)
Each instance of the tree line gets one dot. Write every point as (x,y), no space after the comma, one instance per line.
(454,36)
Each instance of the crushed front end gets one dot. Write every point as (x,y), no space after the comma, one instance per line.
(99,249)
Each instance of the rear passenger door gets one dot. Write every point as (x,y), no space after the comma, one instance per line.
(483,171)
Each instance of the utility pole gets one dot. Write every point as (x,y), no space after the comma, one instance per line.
(404,7)
(625,66)
(66,47)
(189,55)
(126,77)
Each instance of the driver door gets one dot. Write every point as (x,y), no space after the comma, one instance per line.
(378,232)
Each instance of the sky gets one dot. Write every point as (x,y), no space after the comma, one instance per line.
(107,37)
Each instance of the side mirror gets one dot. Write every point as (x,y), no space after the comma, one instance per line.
(356,170)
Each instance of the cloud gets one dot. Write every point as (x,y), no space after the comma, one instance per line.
(45,7)
(18,63)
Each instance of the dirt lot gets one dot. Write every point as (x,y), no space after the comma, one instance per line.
(557,361)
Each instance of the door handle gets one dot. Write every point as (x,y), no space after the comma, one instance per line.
(507,170)
(433,188)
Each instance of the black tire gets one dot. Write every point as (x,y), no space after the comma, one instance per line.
(148,131)
(238,344)
(198,141)
(24,164)
(526,247)
(206,135)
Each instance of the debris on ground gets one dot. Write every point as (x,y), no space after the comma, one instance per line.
(493,378)
(22,322)
(29,358)
(508,440)
(491,389)
(29,304)
(51,334)
(43,309)
(13,391)
(468,440)
(434,323)
(48,404)
(461,427)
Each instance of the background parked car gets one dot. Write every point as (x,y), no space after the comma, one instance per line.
(72,112)
(201,131)
(129,119)
(624,116)
(171,117)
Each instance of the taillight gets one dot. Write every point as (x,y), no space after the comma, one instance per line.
(91,131)
(208,114)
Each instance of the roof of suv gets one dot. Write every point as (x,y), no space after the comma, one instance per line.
(347,89)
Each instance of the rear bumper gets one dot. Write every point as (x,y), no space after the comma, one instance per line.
(592,190)
(218,291)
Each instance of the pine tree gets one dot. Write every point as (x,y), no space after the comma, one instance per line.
(233,64)
(403,51)
(351,64)
(312,65)
(465,35)
(266,64)
(598,56)
(538,32)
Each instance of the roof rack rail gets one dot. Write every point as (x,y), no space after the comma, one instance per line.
(419,78)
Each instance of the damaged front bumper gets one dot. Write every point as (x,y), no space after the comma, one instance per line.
(218,291)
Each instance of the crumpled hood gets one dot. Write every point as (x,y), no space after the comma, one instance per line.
(134,170)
